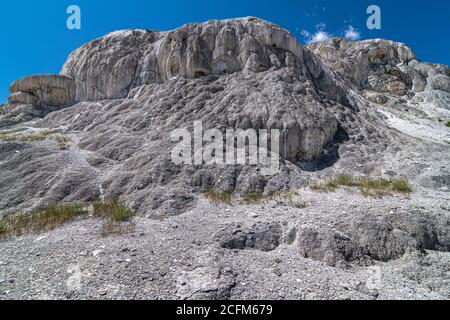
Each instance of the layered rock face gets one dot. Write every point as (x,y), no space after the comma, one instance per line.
(44,90)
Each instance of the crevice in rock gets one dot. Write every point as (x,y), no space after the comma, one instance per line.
(330,154)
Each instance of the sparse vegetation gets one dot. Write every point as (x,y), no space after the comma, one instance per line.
(61,141)
(5,136)
(44,219)
(3,227)
(285,198)
(369,186)
(112,209)
(253,198)
(116,216)
(219,196)
(401,185)
(448,124)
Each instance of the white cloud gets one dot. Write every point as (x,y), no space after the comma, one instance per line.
(352,34)
(319,36)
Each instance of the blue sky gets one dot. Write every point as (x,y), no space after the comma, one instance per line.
(35,38)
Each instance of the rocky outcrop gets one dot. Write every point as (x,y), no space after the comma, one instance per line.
(369,64)
(386,70)
(36,96)
(43,90)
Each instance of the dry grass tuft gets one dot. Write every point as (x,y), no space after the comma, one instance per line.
(253,198)
(368,186)
(112,209)
(116,217)
(41,220)
(24,137)
(218,196)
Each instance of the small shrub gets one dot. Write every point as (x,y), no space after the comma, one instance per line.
(401,185)
(218,196)
(447,124)
(61,141)
(112,209)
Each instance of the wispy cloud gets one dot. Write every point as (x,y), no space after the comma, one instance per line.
(352,34)
(319,35)
(322,34)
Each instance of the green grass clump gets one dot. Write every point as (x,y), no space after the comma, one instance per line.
(116,216)
(285,198)
(40,220)
(401,185)
(219,196)
(447,124)
(368,185)
(334,183)
(112,209)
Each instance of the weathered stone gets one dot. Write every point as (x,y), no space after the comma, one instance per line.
(44,90)
(330,246)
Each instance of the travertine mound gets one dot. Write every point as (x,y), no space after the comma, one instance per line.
(102,128)
(382,67)
(109,67)
(128,90)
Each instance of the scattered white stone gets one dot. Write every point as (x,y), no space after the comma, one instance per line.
(96,252)
(40,238)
